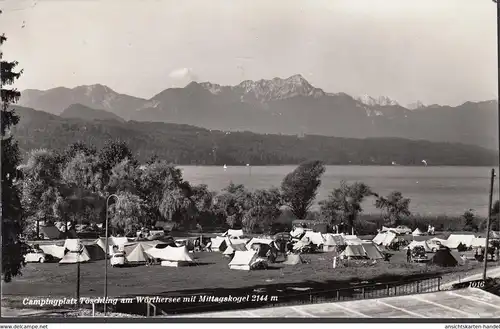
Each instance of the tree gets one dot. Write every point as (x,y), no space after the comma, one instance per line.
(299,187)
(111,154)
(344,203)
(232,204)
(76,148)
(12,248)
(177,204)
(394,207)
(124,176)
(264,208)
(41,198)
(127,213)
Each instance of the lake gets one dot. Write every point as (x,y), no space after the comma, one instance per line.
(432,190)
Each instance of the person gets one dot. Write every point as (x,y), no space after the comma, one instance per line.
(408,254)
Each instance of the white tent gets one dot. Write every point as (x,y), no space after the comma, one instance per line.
(460,260)
(101,242)
(315,237)
(243,260)
(53,250)
(478,242)
(332,241)
(268,242)
(137,255)
(232,247)
(119,241)
(171,256)
(352,240)
(417,232)
(297,232)
(367,249)
(77,253)
(379,238)
(424,244)
(233,233)
(455,239)
(218,244)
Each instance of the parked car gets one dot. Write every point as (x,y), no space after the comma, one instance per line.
(433,244)
(418,254)
(37,256)
(118,259)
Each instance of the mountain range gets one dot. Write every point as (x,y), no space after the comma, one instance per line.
(190,145)
(288,106)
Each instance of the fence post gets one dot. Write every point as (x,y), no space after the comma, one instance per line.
(147,310)
(310,298)
(388,291)
(338,294)
(418,287)
(439,283)
(363,292)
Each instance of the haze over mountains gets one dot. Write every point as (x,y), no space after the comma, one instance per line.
(280,106)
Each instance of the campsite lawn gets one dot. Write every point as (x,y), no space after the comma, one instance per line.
(212,272)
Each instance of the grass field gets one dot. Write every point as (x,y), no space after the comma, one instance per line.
(211,273)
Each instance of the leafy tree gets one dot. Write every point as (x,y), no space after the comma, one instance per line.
(42,199)
(113,152)
(469,221)
(77,148)
(124,176)
(232,203)
(495,216)
(264,209)
(299,187)
(177,204)
(344,203)
(12,248)
(395,207)
(127,213)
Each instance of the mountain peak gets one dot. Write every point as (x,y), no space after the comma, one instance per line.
(378,101)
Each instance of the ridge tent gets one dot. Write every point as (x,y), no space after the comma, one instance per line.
(119,241)
(233,248)
(297,232)
(171,256)
(243,260)
(293,259)
(77,253)
(50,232)
(315,237)
(253,241)
(352,240)
(379,238)
(424,244)
(53,250)
(95,252)
(444,258)
(458,257)
(455,239)
(218,244)
(389,238)
(354,252)
(372,251)
(417,232)
(478,242)
(233,233)
(332,241)
(101,242)
(137,255)
(129,247)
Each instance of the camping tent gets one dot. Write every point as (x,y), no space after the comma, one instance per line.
(77,253)
(95,252)
(455,239)
(297,232)
(101,242)
(53,250)
(233,233)
(233,246)
(352,240)
(315,237)
(331,241)
(119,241)
(372,251)
(354,251)
(417,232)
(293,259)
(137,255)
(50,232)
(379,238)
(254,241)
(218,244)
(243,260)
(424,244)
(478,242)
(458,257)
(443,257)
(171,256)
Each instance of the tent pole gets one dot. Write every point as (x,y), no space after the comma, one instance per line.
(488,223)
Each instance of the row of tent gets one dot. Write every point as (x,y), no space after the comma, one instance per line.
(74,251)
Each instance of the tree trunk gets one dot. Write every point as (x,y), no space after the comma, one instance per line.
(37,229)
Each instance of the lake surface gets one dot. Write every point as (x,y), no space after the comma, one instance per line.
(432,190)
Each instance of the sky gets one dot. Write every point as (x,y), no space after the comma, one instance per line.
(438,52)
